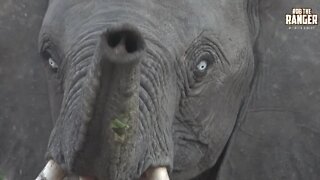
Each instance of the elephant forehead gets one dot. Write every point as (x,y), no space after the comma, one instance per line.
(179,18)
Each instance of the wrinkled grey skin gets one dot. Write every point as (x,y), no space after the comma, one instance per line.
(179,123)
(278,138)
(172,114)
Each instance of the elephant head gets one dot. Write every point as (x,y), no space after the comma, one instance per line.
(140,87)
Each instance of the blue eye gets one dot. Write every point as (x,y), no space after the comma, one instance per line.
(202,65)
(52,64)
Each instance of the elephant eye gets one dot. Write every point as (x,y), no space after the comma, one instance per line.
(53,65)
(202,65)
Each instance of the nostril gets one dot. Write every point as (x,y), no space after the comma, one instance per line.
(127,38)
(132,42)
(123,44)
(114,39)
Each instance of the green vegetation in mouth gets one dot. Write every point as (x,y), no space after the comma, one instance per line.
(119,125)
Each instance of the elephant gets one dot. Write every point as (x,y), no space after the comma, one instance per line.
(157,89)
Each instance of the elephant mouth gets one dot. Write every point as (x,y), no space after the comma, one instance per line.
(52,171)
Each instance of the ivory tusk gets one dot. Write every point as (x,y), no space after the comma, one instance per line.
(159,173)
(52,171)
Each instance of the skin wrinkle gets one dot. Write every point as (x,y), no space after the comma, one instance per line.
(158,53)
(156,134)
(150,76)
(86,104)
(143,103)
(183,121)
(149,81)
(77,56)
(162,145)
(144,112)
(155,82)
(76,76)
(181,74)
(70,100)
(86,54)
(144,98)
(152,69)
(164,67)
(82,55)
(82,65)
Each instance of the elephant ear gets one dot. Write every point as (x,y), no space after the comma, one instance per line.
(25,120)
(252,8)
(279,135)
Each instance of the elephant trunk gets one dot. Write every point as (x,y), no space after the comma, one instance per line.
(100,107)
(112,126)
